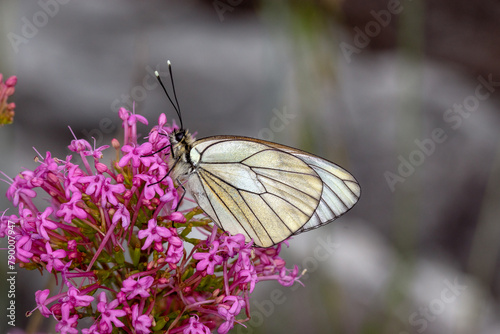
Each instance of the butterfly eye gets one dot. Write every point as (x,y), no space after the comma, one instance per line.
(179,136)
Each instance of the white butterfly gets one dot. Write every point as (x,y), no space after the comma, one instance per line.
(263,190)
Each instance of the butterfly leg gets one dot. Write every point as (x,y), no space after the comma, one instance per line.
(180,200)
(157,151)
(182,197)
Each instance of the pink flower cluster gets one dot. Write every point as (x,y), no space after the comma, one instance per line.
(7,88)
(120,252)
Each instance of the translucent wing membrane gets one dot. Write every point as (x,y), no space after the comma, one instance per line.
(267,191)
(340,192)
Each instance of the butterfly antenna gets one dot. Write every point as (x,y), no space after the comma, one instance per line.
(173,88)
(176,107)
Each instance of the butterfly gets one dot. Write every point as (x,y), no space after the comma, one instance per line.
(263,190)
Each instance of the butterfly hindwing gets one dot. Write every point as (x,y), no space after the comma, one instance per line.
(340,191)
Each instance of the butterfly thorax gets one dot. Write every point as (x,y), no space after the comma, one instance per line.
(180,163)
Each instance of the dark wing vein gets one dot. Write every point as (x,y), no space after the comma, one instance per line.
(284,198)
(209,201)
(344,181)
(229,184)
(288,185)
(256,217)
(224,203)
(282,170)
(213,176)
(267,192)
(340,199)
(277,215)
(329,208)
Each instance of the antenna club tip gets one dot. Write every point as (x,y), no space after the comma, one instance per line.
(169,63)
(157,74)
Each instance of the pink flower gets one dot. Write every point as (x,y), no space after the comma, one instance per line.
(136,154)
(248,276)
(153,233)
(52,258)
(18,189)
(97,152)
(5,221)
(109,314)
(41,297)
(101,187)
(232,243)
(175,248)
(244,260)
(158,167)
(131,119)
(152,186)
(130,124)
(32,179)
(70,209)
(288,277)
(89,230)
(171,194)
(67,323)
(108,192)
(43,223)
(80,145)
(122,215)
(230,308)
(139,287)
(196,327)
(28,219)
(48,164)
(95,183)
(71,180)
(23,249)
(6,90)
(208,261)
(142,323)
(75,299)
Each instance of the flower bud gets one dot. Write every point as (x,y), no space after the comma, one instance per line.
(11,82)
(101,168)
(120,178)
(115,143)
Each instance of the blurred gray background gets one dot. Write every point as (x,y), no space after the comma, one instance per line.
(404,94)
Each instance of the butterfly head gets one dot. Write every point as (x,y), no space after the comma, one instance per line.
(182,142)
(179,135)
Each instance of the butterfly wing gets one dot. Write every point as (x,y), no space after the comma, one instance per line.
(267,191)
(340,190)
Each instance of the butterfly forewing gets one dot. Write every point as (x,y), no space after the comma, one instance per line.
(267,191)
